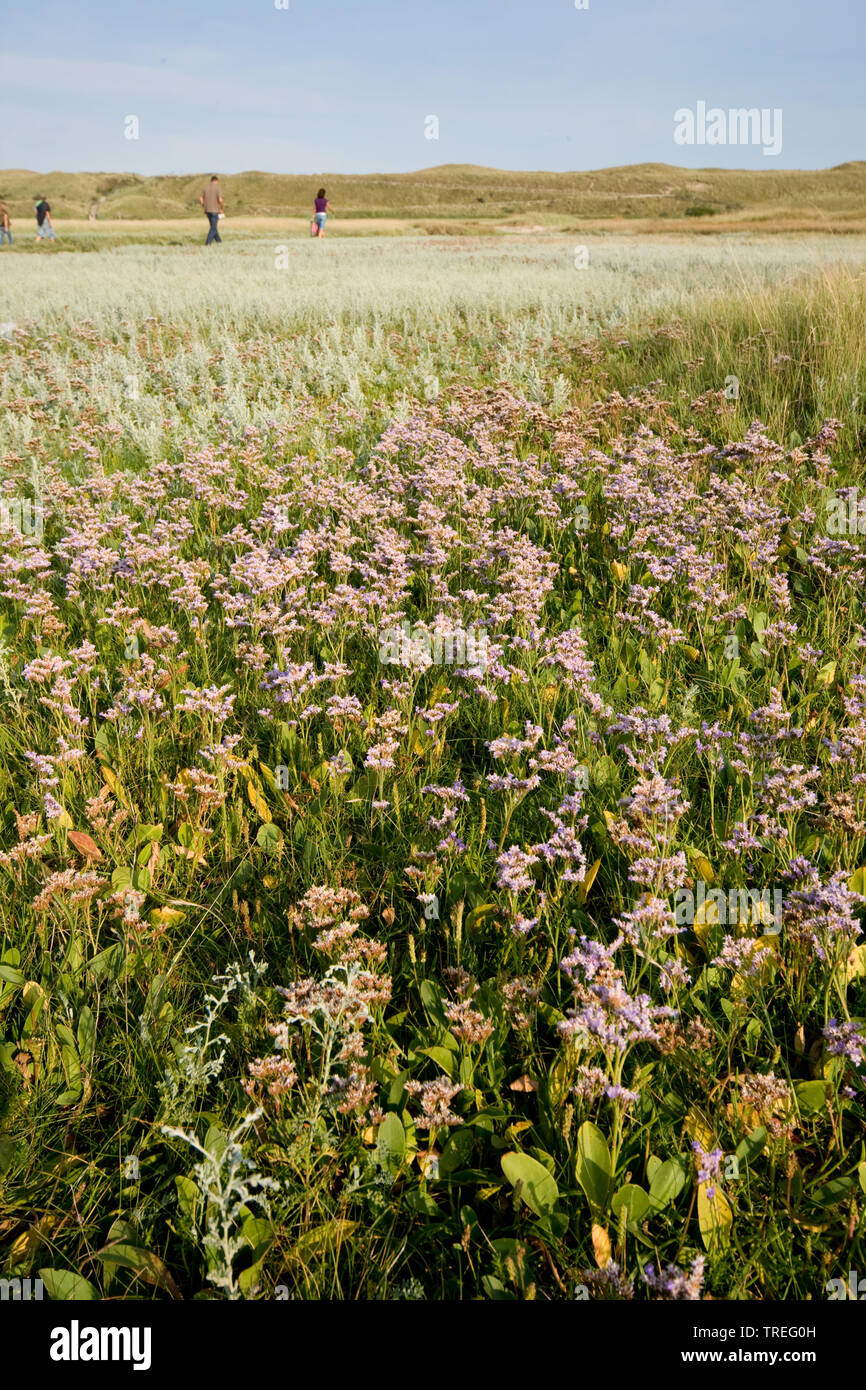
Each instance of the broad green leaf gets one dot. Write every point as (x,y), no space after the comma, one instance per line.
(187,1197)
(144,1263)
(749,1148)
(593,1165)
(269,838)
(666,1184)
(538,1188)
(457,1151)
(147,832)
(442,1056)
(811,1095)
(391,1142)
(633,1199)
(65,1287)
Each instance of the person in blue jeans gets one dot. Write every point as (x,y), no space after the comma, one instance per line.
(323,207)
(5,225)
(212,201)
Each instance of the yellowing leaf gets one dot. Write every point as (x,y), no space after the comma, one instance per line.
(715,1219)
(112,781)
(84,844)
(825,675)
(478,913)
(621,571)
(321,1241)
(258,803)
(857,881)
(703,867)
(601,1246)
(587,881)
(26,1245)
(698,1128)
(165,917)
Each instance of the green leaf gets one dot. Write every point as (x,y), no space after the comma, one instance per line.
(321,1241)
(147,832)
(538,1188)
(593,1166)
(431,998)
(634,1200)
(69,1097)
(86,1037)
(269,838)
(749,1148)
(811,1095)
(457,1151)
(666,1184)
(187,1198)
(836,1190)
(65,1287)
(144,1263)
(442,1056)
(258,1234)
(391,1143)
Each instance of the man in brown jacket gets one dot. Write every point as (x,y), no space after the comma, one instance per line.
(212,202)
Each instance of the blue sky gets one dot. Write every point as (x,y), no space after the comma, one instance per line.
(345,85)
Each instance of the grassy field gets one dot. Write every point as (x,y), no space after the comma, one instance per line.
(648,197)
(432,805)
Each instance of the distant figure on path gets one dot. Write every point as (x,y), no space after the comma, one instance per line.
(5,225)
(44,225)
(323,207)
(212,202)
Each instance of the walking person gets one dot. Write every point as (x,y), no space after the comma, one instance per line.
(323,207)
(44,225)
(5,225)
(212,201)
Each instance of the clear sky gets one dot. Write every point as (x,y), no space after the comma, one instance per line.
(345,85)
